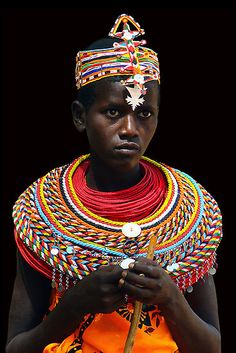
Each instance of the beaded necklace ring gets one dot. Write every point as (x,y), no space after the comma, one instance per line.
(65,241)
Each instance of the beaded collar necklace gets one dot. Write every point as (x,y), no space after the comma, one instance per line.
(64,240)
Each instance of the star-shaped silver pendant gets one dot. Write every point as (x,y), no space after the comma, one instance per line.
(135,98)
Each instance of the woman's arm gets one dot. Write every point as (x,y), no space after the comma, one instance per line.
(29,332)
(192,320)
(30,299)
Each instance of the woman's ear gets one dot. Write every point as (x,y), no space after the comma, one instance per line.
(78,113)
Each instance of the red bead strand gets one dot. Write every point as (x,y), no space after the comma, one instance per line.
(132,204)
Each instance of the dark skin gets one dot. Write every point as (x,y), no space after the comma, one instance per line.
(118,137)
(109,123)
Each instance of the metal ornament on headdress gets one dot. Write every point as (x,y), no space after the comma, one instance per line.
(137,78)
(127,57)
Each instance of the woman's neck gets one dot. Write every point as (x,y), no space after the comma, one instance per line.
(102,178)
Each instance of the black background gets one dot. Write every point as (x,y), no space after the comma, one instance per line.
(196,121)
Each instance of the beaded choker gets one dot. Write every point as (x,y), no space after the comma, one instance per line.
(64,240)
(134,203)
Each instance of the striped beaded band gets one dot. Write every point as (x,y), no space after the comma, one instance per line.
(96,64)
(49,215)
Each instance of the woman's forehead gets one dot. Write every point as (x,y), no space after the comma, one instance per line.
(113,91)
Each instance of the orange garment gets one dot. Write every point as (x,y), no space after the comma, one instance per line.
(107,333)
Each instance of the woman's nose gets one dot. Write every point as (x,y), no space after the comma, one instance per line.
(128,126)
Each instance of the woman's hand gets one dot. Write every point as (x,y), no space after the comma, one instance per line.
(98,292)
(147,282)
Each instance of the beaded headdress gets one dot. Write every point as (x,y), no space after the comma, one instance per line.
(126,57)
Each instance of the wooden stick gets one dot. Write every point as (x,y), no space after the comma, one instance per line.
(138,305)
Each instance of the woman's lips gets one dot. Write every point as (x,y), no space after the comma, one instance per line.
(127,148)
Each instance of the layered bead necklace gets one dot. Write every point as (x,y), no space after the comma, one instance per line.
(134,203)
(65,230)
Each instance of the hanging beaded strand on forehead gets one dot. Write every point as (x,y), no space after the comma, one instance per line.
(127,57)
(137,78)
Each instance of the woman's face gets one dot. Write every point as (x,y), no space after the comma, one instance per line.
(117,134)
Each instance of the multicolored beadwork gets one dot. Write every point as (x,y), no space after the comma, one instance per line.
(126,57)
(49,216)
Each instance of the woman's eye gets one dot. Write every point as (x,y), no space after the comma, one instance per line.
(112,113)
(144,114)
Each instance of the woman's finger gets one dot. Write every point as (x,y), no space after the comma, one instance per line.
(148,269)
(140,280)
(137,293)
